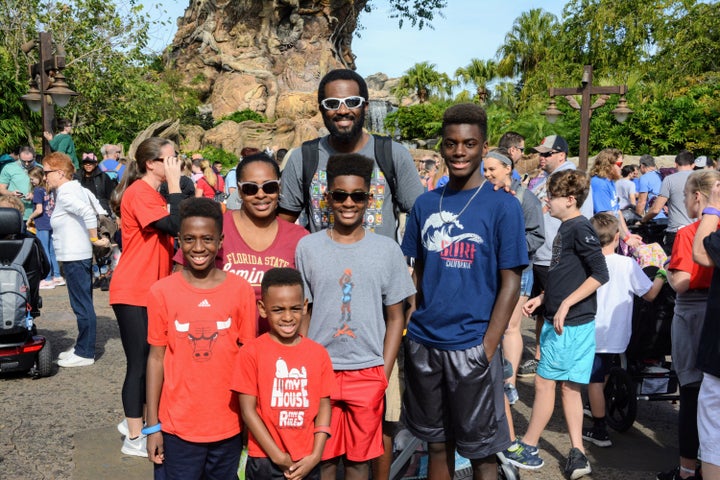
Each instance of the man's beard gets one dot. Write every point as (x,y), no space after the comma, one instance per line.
(352,134)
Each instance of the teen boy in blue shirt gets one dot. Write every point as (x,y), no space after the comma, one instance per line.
(468,242)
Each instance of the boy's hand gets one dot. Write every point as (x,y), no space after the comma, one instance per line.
(155,448)
(283,462)
(559,318)
(531,305)
(302,468)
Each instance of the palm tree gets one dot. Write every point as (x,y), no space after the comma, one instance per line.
(479,73)
(527,44)
(421,79)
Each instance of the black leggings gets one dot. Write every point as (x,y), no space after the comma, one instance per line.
(687,421)
(133,323)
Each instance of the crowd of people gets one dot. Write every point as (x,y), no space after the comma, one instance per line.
(324,298)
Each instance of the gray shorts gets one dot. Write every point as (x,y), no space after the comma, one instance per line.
(685,332)
(455,396)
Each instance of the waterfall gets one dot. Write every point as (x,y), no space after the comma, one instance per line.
(376,113)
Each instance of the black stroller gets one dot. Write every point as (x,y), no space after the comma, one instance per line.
(22,265)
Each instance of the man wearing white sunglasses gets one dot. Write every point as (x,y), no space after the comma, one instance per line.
(343,101)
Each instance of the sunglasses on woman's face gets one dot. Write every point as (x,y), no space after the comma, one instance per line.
(251,188)
(340,196)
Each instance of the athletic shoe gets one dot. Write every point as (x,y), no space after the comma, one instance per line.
(46,284)
(577,465)
(597,435)
(511,393)
(66,354)
(674,474)
(135,446)
(59,281)
(521,456)
(587,411)
(75,361)
(528,368)
(123,428)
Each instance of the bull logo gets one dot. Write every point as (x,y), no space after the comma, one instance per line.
(202,336)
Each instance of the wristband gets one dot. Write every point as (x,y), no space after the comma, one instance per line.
(94,239)
(323,429)
(627,237)
(662,274)
(154,429)
(711,211)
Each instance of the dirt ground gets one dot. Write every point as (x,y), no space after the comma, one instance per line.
(63,426)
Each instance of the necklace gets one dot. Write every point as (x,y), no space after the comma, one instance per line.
(455,217)
(330,232)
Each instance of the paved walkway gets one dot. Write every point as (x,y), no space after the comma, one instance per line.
(63,426)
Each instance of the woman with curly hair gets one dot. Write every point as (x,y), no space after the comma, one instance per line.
(603,175)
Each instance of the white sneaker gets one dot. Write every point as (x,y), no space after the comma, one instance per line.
(46,284)
(123,428)
(66,354)
(75,361)
(137,447)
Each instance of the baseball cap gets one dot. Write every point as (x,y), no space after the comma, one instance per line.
(553,142)
(700,162)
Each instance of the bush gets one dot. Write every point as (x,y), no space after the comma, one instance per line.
(214,154)
(244,115)
(417,121)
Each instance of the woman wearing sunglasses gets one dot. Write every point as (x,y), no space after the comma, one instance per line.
(255,239)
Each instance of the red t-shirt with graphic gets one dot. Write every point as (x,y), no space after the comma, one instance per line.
(237,257)
(289,382)
(201,330)
(147,252)
(681,258)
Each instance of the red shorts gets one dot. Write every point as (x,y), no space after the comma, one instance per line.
(357,412)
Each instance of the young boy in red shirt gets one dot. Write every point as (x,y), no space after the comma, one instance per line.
(284,381)
(197,320)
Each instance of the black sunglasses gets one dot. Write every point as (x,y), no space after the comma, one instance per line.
(548,154)
(252,188)
(340,196)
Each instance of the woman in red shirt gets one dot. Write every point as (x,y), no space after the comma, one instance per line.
(147,229)
(210,183)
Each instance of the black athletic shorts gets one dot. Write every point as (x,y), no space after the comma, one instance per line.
(456,396)
(262,468)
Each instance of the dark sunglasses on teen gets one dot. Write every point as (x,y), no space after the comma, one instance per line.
(252,188)
(349,102)
(340,196)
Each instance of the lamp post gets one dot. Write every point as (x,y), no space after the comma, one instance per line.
(47,83)
(587,90)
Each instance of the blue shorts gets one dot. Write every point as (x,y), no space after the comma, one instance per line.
(567,357)
(526,282)
(601,367)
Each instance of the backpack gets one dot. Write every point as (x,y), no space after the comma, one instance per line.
(383,159)
(113,174)
(15,292)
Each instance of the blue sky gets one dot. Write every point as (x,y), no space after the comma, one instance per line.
(470,29)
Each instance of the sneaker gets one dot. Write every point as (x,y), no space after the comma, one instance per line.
(123,428)
(59,281)
(577,465)
(521,456)
(511,393)
(135,446)
(74,360)
(66,354)
(528,368)
(587,411)
(674,474)
(46,284)
(597,436)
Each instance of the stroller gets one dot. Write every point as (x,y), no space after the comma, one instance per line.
(22,265)
(642,373)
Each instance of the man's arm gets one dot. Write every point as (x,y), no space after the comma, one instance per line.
(505,301)
(394,326)
(657,206)
(154,378)
(641,202)
(292,197)
(708,225)
(409,186)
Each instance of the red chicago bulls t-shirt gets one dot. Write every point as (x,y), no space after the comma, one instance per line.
(201,330)
(288,381)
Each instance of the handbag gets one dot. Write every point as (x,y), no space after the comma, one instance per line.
(106,227)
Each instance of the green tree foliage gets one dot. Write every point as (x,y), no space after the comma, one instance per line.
(419,13)
(479,73)
(423,79)
(214,154)
(244,115)
(417,121)
(527,44)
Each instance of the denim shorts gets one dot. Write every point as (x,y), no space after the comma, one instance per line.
(526,282)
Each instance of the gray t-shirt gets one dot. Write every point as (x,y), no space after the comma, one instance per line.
(379,217)
(624,188)
(348,284)
(673,188)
